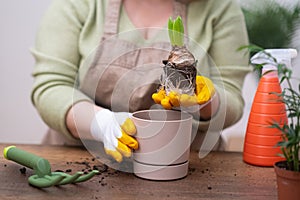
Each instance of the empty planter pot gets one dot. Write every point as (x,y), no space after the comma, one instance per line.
(164,138)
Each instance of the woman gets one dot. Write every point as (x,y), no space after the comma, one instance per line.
(124,34)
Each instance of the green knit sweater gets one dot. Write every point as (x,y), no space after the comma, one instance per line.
(71,29)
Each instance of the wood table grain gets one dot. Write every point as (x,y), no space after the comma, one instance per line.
(220,175)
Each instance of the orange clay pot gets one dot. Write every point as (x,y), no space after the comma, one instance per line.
(267,119)
(263,150)
(269,85)
(262,139)
(258,129)
(267,108)
(269,98)
(263,161)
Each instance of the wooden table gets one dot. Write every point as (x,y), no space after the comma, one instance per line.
(220,175)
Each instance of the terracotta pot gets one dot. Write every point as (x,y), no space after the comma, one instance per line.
(288,182)
(164,138)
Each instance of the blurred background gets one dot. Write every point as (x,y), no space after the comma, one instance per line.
(270,24)
(19,121)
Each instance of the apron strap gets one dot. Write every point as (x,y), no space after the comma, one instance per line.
(112,18)
(180,9)
(113,12)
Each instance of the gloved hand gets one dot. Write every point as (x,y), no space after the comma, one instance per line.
(204,91)
(114,129)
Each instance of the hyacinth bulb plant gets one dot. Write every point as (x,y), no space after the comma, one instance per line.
(180,67)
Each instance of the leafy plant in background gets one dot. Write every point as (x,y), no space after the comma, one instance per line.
(290,143)
(269,24)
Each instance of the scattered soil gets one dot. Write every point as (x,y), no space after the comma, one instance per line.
(23,170)
(88,167)
(191,170)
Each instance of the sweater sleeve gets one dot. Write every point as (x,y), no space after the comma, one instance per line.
(228,34)
(57,59)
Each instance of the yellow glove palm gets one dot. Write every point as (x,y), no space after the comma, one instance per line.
(125,142)
(203,92)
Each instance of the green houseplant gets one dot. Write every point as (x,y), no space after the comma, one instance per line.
(287,171)
(290,143)
(270,24)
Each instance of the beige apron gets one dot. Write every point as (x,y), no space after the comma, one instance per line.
(123,75)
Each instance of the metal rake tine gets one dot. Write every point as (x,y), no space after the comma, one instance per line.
(86,177)
(46,181)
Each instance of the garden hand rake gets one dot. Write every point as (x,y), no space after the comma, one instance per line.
(43,176)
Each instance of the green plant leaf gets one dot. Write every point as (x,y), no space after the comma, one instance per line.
(176,31)
(170,30)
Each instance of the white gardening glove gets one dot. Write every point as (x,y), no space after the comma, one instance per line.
(114,129)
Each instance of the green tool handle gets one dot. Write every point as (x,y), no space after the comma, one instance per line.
(38,164)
